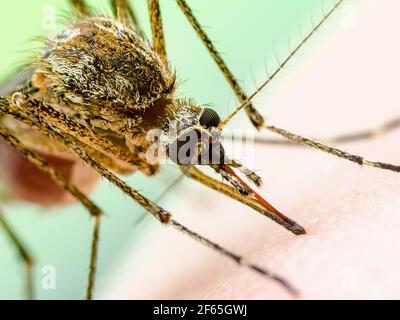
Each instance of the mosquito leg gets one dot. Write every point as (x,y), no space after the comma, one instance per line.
(120,167)
(344,138)
(251,111)
(125,14)
(93,258)
(286,222)
(43,166)
(80,7)
(156,211)
(59,179)
(157,29)
(107,161)
(238,259)
(23,253)
(246,102)
(166,191)
(166,218)
(79,132)
(227,190)
(334,151)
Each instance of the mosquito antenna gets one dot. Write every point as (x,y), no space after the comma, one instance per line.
(371,133)
(334,151)
(281,65)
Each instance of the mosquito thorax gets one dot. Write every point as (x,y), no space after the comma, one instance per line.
(109,68)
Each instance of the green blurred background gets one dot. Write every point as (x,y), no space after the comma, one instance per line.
(250,34)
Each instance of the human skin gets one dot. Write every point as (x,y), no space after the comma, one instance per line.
(345,80)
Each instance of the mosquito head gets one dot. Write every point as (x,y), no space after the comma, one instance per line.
(193,138)
(196,140)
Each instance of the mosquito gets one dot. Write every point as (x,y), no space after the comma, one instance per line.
(96,92)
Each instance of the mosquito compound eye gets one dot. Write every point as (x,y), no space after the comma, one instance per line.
(209,118)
